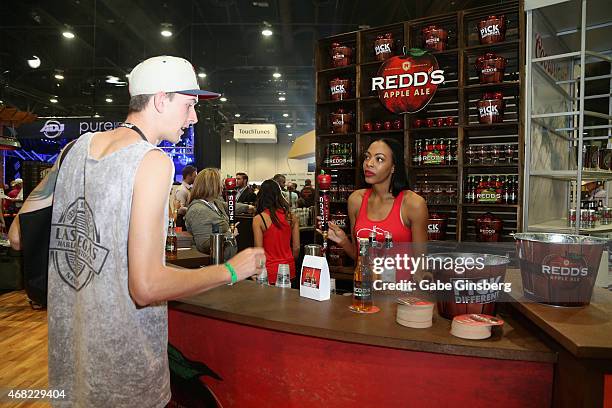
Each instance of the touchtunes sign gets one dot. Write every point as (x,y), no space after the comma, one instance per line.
(406,84)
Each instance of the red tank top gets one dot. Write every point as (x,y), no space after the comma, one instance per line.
(393,223)
(277,246)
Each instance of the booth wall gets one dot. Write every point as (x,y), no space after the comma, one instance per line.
(259,161)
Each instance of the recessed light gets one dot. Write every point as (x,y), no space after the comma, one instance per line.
(109,100)
(237,115)
(281,98)
(276,75)
(285,115)
(166,33)
(58,76)
(53,100)
(34,62)
(288,126)
(96,116)
(289,134)
(202,75)
(68,34)
(266,32)
(227,140)
(223,99)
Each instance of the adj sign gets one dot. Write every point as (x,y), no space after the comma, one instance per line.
(407,83)
(64,128)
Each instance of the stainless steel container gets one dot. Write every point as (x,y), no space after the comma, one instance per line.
(312,249)
(559,269)
(217,246)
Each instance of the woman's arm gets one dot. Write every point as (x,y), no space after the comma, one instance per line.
(295,236)
(416,215)
(257,232)
(200,220)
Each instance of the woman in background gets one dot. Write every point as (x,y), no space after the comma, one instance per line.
(276,230)
(207,208)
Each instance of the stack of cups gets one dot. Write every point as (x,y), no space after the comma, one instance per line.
(283,277)
(415,313)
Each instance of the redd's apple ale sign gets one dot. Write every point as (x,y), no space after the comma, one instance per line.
(407,83)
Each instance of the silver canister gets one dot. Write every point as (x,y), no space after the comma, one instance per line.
(584,218)
(592,218)
(571,218)
(606,217)
(312,249)
(217,242)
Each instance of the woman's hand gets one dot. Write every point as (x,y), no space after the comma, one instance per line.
(334,233)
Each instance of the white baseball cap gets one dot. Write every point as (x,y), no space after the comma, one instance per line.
(166,74)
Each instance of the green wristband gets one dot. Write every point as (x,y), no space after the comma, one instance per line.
(232,272)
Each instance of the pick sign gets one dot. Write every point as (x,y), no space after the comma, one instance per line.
(406,84)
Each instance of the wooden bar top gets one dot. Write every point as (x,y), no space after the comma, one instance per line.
(284,310)
(585,332)
(190,258)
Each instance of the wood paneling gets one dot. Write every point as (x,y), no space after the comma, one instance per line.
(23,346)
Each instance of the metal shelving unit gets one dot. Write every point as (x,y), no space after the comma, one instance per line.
(570,103)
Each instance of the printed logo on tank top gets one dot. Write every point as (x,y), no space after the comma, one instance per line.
(75,251)
(380,233)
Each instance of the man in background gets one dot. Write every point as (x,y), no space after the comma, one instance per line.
(307,195)
(181,196)
(245,193)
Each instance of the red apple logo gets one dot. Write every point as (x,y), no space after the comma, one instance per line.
(230,183)
(324,181)
(407,83)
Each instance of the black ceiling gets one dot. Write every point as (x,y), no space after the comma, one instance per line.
(220,37)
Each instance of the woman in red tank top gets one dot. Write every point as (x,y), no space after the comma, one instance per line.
(388,205)
(275,230)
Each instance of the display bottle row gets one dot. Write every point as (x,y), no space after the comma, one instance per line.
(436,152)
(491,189)
(437,194)
(491,154)
(338,155)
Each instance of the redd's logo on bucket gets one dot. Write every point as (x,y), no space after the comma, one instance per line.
(564,268)
(406,84)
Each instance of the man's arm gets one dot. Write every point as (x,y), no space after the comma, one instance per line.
(40,197)
(149,279)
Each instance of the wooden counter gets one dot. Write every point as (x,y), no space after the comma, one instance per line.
(585,332)
(284,310)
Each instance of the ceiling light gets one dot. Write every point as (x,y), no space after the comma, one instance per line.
(289,134)
(109,100)
(237,115)
(285,115)
(111,79)
(276,75)
(166,30)
(288,126)
(223,99)
(227,140)
(96,116)
(266,32)
(202,75)
(68,34)
(34,62)
(53,100)
(58,76)
(281,98)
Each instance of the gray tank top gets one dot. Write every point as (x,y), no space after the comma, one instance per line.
(104,350)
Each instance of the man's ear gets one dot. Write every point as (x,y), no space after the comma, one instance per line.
(159,101)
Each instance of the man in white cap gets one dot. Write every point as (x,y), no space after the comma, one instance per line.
(108,281)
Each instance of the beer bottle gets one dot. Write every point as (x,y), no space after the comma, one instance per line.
(468,189)
(362,280)
(171,241)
